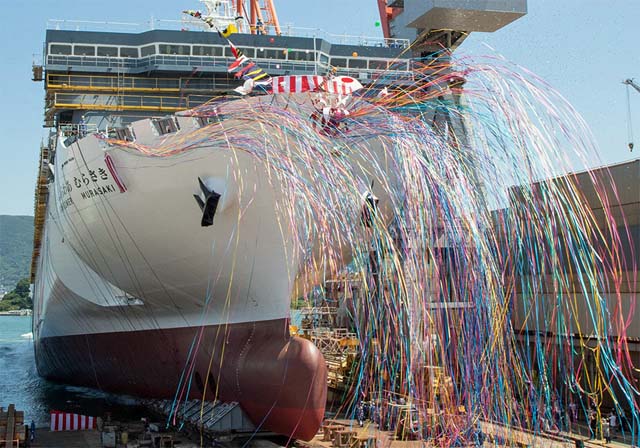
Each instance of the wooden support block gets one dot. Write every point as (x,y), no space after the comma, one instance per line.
(10,426)
(343,438)
(328,431)
(363,442)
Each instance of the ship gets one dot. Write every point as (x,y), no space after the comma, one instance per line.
(173,276)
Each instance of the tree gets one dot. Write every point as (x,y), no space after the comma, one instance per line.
(22,288)
(17,299)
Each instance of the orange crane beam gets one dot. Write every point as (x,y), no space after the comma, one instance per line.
(384,17)
(262,13)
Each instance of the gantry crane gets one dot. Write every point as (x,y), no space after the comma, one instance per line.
(261,15)
(630,83)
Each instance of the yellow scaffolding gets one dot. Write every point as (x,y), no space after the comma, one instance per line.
(40,209)
(127,102)
(102,83)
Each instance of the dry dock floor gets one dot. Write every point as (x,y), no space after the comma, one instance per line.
(66,439)
(84,439)
(385,439)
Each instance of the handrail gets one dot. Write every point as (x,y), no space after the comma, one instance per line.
(77,129)
(344,39)
(158,24)
(129,102)
(272,66)
(106,83)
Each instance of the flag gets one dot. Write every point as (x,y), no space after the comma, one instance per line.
(246,88)
(235,50)
(244,70)
(192,13)
(229,30)
(251,73)
(237,63)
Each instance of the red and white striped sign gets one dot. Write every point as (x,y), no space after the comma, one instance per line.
(343,85)
(64,421)
(296,84)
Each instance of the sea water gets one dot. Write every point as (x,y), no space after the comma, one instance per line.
(21,385)
(19,381)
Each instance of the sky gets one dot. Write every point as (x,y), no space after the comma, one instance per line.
(583,48)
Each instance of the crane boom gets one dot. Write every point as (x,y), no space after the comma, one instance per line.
(630,82)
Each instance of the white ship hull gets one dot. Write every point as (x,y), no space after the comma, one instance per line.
(128,279)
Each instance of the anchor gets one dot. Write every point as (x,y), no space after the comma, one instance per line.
(209,205)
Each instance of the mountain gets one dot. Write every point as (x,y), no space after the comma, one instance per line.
(16,244)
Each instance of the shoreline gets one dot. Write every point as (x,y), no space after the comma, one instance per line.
(19,313)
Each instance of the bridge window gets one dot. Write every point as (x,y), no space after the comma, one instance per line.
(301,55)
(398,65)
(148,50)
(357,63)
(248,52)
(175,49)
(60,49)
(128,52)
(339,62)
(201,50)
(111,52)
(377,64)
(269,53)
(84,50)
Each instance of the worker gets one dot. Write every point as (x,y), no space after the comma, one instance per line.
(360,414)
(606,431)
(479,436)
(573,412)
(613,421)
(593,423)
(82,127)
(259,27)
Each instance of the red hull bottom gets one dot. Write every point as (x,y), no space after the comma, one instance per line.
(280,381)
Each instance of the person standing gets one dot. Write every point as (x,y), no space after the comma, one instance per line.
(613,422)
(606,431)
(479,436)
(592,424)
(360,414)
(573,412)
(82,128)
(32,431)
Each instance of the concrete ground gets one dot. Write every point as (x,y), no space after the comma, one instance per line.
(66,439)
(522,438)
(83,439)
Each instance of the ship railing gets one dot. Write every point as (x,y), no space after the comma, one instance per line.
(73,129)
(106,83)
(344,39)
(397,71)
(128,102)
(194,25)
(152,62)
(91,25)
